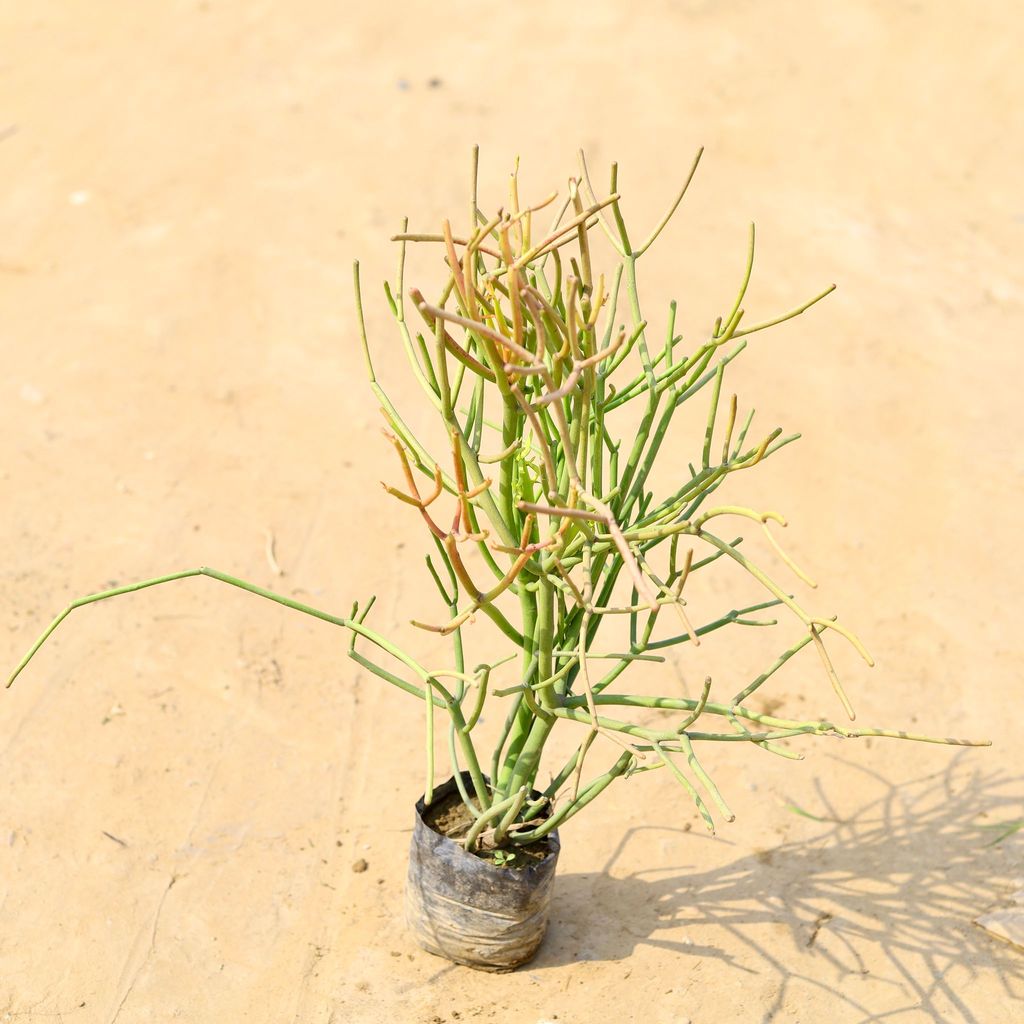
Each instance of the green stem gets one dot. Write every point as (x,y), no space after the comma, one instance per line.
(545,638)
(494,811)
(563,814)
(346,623)
(509,816)
(524,771)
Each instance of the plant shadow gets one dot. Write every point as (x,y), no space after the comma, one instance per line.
(895,886)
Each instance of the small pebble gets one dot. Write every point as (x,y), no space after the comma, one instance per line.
(360,866)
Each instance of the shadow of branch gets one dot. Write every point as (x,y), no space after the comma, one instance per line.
(886,896)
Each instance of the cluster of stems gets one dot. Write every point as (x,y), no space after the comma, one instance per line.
(543,519)
(553,529)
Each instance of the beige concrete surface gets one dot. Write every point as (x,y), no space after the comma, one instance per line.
(187,775)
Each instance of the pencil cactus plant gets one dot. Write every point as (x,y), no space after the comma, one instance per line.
(541,516)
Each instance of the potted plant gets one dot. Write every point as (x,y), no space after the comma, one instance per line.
(555,403)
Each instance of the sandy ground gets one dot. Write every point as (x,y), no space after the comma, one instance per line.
(188,775)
